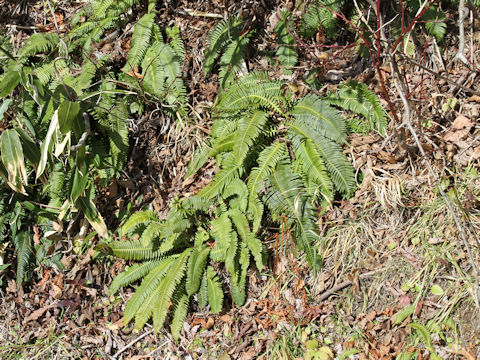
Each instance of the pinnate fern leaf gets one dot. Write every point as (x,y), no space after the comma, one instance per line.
(168,286)
(196,265)
(218,38)
(147,290)
(132,274)
(179,316)
(214,291)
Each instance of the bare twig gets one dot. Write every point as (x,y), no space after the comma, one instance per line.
(402,90)
(130,344)
(460,56)
(436,74)
(344,284)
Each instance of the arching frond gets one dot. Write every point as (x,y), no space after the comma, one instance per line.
(318,115)
(356,97)
(218,38)
(249,128)
(132,274)
(140,40)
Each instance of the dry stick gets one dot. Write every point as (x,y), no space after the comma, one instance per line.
(130,344)
(400,86)
(436,74)
(462,14)
(344,284)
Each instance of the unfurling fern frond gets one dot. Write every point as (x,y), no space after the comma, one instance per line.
(356,97)
(218,38)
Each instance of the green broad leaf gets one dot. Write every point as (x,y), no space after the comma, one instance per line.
(30,148)
(347,353)
(4,107)
(437,290)
(196,266)
(214,291)
(424,332)
(80,181)
(12,157)
(92,215)
(46,147)
(67,113)
(9,82)
(404,313)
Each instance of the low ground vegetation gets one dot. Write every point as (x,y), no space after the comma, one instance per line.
(272,182)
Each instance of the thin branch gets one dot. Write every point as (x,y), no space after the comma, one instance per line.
(436,74)
(130,344)
(402,91)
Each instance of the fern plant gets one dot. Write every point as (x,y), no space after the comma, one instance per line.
(356,97)
(67,96)
(176,253)
(227,42)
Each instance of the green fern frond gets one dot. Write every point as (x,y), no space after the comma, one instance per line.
(179,316)
(287,199)
(214,291)
(132,274)
(253,244)
(252,91)
(223,177)
(140,40)
(338,166)
(168,286)
(199,159)
(239,189)
(232,61)
(153,230)
(249,128)
(39,43)
(196,265)
(321,117)
(239,279)
(176,42)
(218,38)
(135,250)
(222,232)
(356,97)
(286,53)
(320,14)
(148,288)
(23,246)
(202,296)
(313,166)
(137,219)
(267,160)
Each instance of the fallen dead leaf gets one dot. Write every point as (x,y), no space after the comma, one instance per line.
(37,313)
